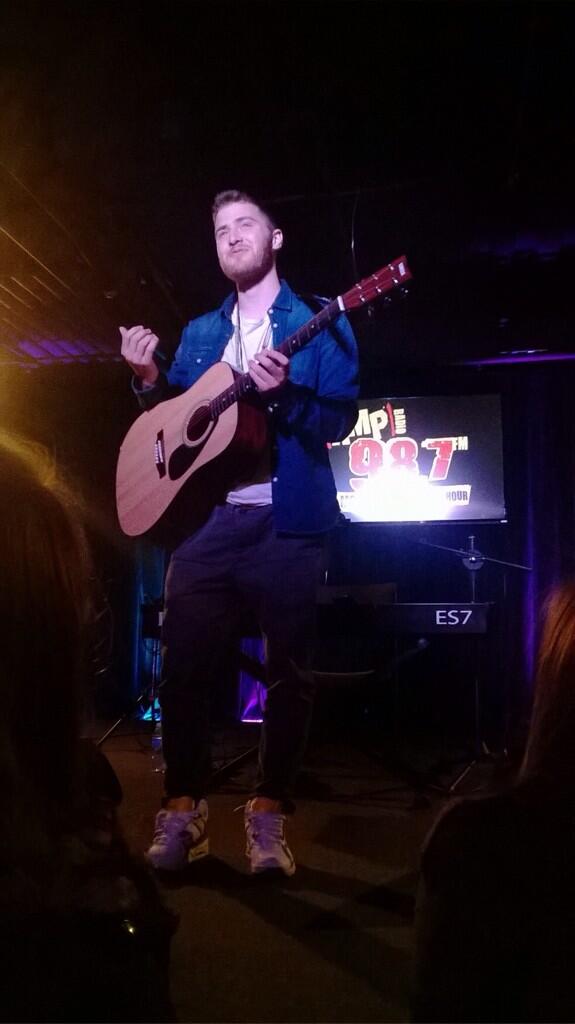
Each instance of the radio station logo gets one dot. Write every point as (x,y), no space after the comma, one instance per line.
(384,460)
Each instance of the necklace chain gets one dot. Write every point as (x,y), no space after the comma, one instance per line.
(241,351)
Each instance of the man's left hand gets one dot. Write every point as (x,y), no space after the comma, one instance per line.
(269,370)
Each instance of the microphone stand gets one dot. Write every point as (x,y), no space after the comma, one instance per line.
(473,560)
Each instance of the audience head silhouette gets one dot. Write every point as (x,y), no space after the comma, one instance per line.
(44,610)
(496,904)
(549,750)
(84,934)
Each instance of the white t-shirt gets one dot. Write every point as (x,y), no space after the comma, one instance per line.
(255,335)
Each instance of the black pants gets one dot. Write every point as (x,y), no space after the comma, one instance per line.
(237,561)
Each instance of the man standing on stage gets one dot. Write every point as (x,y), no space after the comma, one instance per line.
(262,546)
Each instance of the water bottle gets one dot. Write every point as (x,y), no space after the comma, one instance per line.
(157,752)
(157,739)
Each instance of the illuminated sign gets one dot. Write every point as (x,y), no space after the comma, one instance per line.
(421,459)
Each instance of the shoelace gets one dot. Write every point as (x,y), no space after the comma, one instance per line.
(172,824)
(265,828)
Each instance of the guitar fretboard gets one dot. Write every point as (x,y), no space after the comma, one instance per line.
(244,384)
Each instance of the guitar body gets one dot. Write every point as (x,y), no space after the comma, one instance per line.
(176,457)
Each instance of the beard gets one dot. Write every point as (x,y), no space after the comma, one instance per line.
(249,268)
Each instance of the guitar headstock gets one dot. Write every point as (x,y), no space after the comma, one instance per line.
(393,275)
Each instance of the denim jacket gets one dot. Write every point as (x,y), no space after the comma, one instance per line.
(315,406)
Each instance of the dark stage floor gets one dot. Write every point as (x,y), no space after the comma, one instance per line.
(334,943)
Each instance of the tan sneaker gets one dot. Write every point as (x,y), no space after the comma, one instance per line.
(179,838)
(266,845)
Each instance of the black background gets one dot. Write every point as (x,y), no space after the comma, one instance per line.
(440,130)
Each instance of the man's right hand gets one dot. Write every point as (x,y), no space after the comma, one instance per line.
(138,347)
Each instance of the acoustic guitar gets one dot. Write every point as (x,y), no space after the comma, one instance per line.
(185,453)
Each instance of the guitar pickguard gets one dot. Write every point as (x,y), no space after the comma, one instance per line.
(181,460)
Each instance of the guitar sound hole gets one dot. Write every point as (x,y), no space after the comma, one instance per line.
(199,424)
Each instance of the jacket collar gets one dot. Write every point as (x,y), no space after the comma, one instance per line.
(283,300)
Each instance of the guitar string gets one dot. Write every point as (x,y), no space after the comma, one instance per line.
(303,334)
(325,315)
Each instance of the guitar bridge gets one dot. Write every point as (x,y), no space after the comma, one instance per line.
(160,454)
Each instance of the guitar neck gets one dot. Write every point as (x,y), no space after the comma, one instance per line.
(394,275)
(244,385)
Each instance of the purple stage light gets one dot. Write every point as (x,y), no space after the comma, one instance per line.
(523,356)
(251,693)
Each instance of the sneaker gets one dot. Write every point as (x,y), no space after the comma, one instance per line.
(179,838)
(266,846)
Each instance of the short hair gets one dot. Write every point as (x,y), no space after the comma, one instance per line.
(234,195)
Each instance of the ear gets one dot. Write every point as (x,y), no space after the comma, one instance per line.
(277,239)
